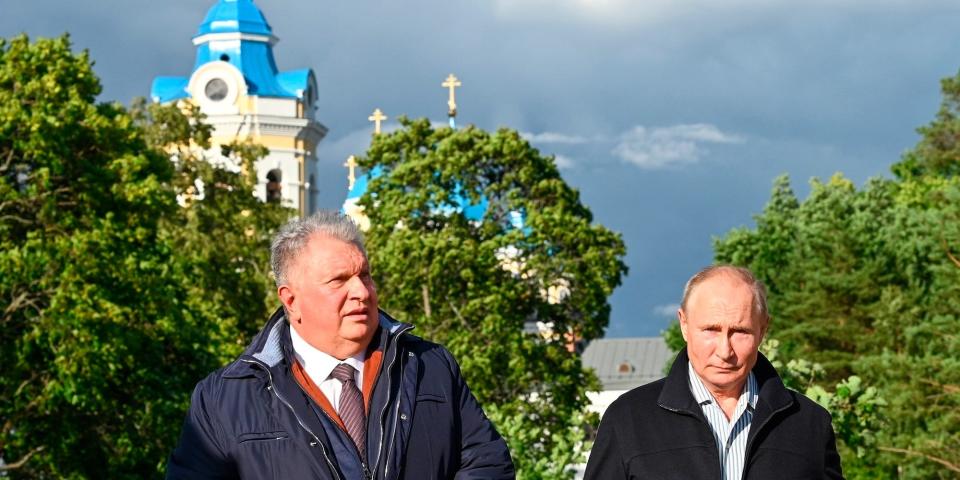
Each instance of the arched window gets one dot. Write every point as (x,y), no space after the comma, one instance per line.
(274,194)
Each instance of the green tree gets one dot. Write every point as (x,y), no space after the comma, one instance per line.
(866,283)
(473,283)
(938,151)
(222,232)
(111,314)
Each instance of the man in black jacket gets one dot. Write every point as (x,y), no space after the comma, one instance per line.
(722,412)
(332,387)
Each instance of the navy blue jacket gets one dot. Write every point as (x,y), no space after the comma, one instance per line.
(252,420)
(658,431)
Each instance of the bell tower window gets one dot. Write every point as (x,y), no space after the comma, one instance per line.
(274,193)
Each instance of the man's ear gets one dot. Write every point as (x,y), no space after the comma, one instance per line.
(290,304)
(682,318)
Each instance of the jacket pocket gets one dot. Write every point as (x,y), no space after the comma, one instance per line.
(262,436)
(431,397)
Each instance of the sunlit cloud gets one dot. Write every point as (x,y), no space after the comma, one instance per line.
(554,137)
(668,310)
(667,147)
(658,12)
(564,162)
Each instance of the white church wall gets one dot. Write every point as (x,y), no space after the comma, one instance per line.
(280,107)
(600,401)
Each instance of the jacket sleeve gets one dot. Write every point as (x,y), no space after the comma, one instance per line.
(199,453)
(605,460)
(831,461)
(483,452)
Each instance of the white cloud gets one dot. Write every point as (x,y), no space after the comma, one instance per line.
(592,11)
(660,12)
(668,310)
(564,162)
(665,147)
(554,137)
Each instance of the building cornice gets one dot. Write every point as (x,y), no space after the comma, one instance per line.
(228,36)
(310,131)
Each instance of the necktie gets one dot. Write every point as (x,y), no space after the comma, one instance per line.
(351,408)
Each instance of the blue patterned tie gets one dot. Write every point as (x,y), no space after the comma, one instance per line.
(351,408)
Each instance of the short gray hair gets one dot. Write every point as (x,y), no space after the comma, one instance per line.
(292,237)
(741,273)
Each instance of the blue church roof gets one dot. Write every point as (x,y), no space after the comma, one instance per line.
(252,56)
(229,16)
(471,211)
(166,89)
(295,81)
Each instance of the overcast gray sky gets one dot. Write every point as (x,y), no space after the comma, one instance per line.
(672,118)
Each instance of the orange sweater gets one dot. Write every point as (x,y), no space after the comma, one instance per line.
(371,367)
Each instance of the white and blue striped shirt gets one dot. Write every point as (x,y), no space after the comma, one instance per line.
(731,436)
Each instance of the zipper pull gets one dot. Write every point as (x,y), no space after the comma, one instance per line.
(366,471)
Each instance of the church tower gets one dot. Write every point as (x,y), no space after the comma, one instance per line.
(236,83)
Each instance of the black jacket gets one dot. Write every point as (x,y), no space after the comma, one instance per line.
(252,420)
(658,431)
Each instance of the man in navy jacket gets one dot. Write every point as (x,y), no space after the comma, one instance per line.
(285,409)
(722,412)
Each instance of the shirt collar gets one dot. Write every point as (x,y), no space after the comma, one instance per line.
(703,396)
(318,364)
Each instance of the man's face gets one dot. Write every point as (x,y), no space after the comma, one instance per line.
(722,332)
(330,297)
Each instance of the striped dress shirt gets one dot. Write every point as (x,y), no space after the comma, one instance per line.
(731,436)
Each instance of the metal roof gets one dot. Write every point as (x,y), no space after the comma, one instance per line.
(229,16)
(625,363)
(166,89)
(461,202)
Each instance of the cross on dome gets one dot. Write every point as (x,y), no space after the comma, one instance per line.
(452,83)
(376,118)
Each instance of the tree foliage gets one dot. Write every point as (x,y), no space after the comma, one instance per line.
(221,231)
(866,283)
(473,284)
(115,299)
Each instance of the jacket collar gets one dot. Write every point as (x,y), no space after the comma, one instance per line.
(676,395)
(272,345)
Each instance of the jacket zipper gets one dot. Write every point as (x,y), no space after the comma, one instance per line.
(395,340)
(386,468)
(366,470)
(746,451)
(367,473)
(300,422)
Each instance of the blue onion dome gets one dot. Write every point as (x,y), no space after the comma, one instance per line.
(232,16)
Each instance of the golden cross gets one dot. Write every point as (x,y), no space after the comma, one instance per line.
(451,82)
(351,176)
(376,118)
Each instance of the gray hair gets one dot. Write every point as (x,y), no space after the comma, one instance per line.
(293,236)
(741,273)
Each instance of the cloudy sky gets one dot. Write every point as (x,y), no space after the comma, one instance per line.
(671,117)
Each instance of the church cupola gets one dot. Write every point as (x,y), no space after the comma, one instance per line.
(237,84)
(235,16)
